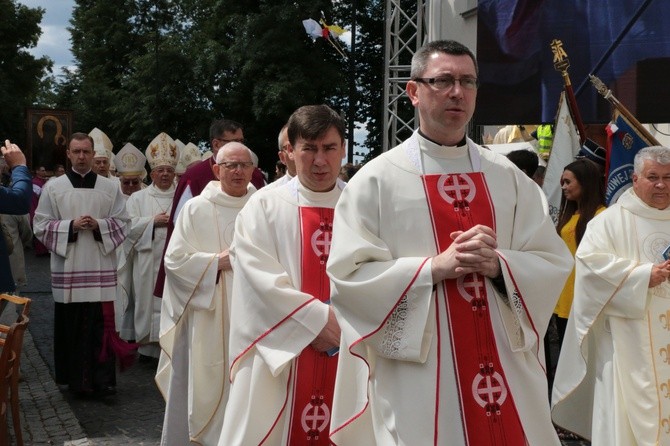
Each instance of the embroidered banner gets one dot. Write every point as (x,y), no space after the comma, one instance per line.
(457,202)
(314,378)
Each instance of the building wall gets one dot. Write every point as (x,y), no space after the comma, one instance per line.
(454,20)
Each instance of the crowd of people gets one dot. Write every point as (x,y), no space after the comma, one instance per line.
(404,302)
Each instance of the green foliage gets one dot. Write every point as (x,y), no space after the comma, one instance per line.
(175,65)
(20,72)
(370,72)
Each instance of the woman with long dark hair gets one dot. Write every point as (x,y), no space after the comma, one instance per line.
(583,197)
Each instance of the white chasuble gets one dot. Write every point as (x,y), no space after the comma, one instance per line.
(612,383)
(397,380)
(192,370)
(83,270)
(273,319)
(147,244)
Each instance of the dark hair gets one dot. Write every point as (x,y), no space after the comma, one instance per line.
(420,58)
(220,126)
(589,176)
(311,122)
(524,160)
(80,136)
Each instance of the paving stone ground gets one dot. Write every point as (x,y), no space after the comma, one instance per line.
(51,416)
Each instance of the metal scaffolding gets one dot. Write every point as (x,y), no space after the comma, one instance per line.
(406,31)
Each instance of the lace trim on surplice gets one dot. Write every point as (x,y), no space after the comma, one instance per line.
(394,342)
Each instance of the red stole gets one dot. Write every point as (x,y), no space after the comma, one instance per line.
(458,202)
(314,377)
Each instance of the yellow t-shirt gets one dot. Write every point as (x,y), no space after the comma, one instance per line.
(568,235)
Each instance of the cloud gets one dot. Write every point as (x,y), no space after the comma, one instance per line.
(55,39)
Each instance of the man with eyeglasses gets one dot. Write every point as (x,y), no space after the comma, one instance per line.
(612,378)
(149,211)
(283,333)
(445,270)
(193,368)
(196,177)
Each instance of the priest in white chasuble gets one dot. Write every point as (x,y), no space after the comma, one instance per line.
(445,270)
(283,335)
(193,367)
(81,218)
(149,210)
(130,167)
(612,382)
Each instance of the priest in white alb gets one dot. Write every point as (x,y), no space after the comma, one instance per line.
(130,167)
(283,334)
(445,270)
(149,210)
(193,367)
(612,383)
(81,219)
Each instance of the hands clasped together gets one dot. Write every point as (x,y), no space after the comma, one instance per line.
(472,251)
(85,222)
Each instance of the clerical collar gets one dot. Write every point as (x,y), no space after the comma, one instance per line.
(82,181)
(462,142)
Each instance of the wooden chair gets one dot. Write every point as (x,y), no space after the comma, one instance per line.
(11,340)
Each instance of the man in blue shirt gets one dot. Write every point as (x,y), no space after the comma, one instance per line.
(14,200)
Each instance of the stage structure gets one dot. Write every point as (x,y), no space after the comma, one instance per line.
(405,33)
(409,24)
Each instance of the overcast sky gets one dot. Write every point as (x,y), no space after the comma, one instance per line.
(55,39)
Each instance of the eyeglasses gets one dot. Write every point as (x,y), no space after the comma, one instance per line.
(234,165)
(130,182)
(447,82)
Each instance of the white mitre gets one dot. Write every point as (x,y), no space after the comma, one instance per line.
(187,156)
(207,155)
(130,161)
(102,145)
(162,151)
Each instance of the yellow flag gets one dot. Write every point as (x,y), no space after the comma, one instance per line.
(337,30)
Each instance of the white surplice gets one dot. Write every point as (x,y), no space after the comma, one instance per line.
(192,370)
(612,383)
(85,270)
(124,289)
(272,320)
(146,245)
(387,390)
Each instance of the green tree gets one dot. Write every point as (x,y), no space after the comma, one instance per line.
(175,66)
(20,72)
(369,68)
(103,43)
(276,68)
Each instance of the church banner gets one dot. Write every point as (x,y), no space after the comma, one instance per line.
(48,132)
(624,141)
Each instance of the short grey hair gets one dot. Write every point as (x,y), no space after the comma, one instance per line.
(451,47)
(280,139)
(220,155)
(658,154)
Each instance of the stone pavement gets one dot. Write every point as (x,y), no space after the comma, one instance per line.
(50,416)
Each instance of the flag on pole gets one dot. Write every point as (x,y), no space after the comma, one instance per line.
(313,28)
(335,30)
(563,151)
(624,141)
